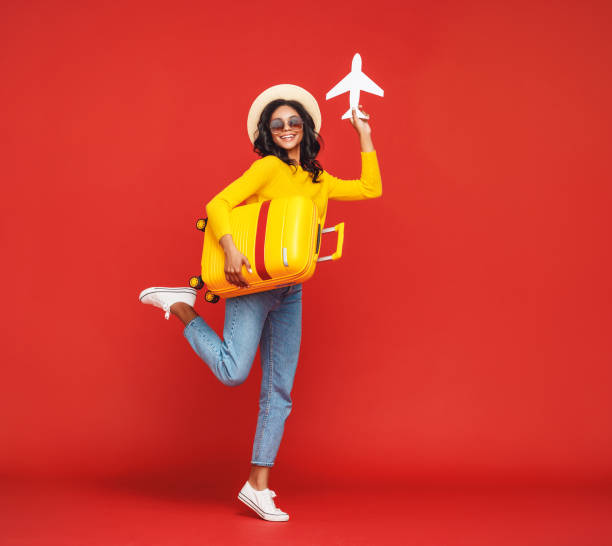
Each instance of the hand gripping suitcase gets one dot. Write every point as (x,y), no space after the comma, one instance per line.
(281,239)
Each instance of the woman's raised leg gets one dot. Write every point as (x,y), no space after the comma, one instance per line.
(230,359)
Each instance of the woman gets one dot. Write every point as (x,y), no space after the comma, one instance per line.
(283,124)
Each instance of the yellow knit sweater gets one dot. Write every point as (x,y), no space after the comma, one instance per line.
(269,177)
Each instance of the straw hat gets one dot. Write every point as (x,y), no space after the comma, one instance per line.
(285,91)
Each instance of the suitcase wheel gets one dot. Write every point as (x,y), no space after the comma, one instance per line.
(196,282)
(210,297)
(201,224)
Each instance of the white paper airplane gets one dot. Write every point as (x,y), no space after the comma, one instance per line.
(354,82)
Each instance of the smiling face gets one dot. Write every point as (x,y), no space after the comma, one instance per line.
(290,136)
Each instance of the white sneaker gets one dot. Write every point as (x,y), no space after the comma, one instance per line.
(164,297)
(262,503)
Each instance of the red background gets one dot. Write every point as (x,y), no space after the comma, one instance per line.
(464,335)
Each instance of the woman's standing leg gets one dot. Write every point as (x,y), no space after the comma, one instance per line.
(280,347)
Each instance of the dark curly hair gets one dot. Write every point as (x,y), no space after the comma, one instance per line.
(309,147)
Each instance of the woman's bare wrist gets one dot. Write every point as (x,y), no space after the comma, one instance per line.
(227,243)
(366,143)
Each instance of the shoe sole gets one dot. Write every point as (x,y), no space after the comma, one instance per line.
(155,290)
(259,511)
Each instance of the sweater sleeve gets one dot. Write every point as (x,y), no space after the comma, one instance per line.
(219,207)
(367,187)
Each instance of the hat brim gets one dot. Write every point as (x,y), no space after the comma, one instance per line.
(285,91)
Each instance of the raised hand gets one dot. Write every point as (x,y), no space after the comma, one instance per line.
(362,126)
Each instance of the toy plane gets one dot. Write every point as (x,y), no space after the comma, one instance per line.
(354,82)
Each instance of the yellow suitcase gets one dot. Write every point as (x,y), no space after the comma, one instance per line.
(281,239)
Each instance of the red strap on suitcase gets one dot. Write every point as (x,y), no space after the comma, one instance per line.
(260,242)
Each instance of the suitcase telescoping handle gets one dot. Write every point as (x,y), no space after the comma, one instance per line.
(338,254)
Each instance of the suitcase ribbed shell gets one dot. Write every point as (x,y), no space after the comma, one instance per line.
(280,238)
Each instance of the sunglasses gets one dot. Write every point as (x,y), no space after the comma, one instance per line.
(277,125)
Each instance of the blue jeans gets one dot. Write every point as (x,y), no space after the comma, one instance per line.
(274,319)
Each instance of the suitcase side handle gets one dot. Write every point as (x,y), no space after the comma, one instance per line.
(339,228)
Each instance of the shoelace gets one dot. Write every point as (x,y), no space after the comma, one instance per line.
(166,308)
(269,503)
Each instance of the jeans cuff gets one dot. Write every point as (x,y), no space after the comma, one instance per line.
(262,464)
(189,326)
